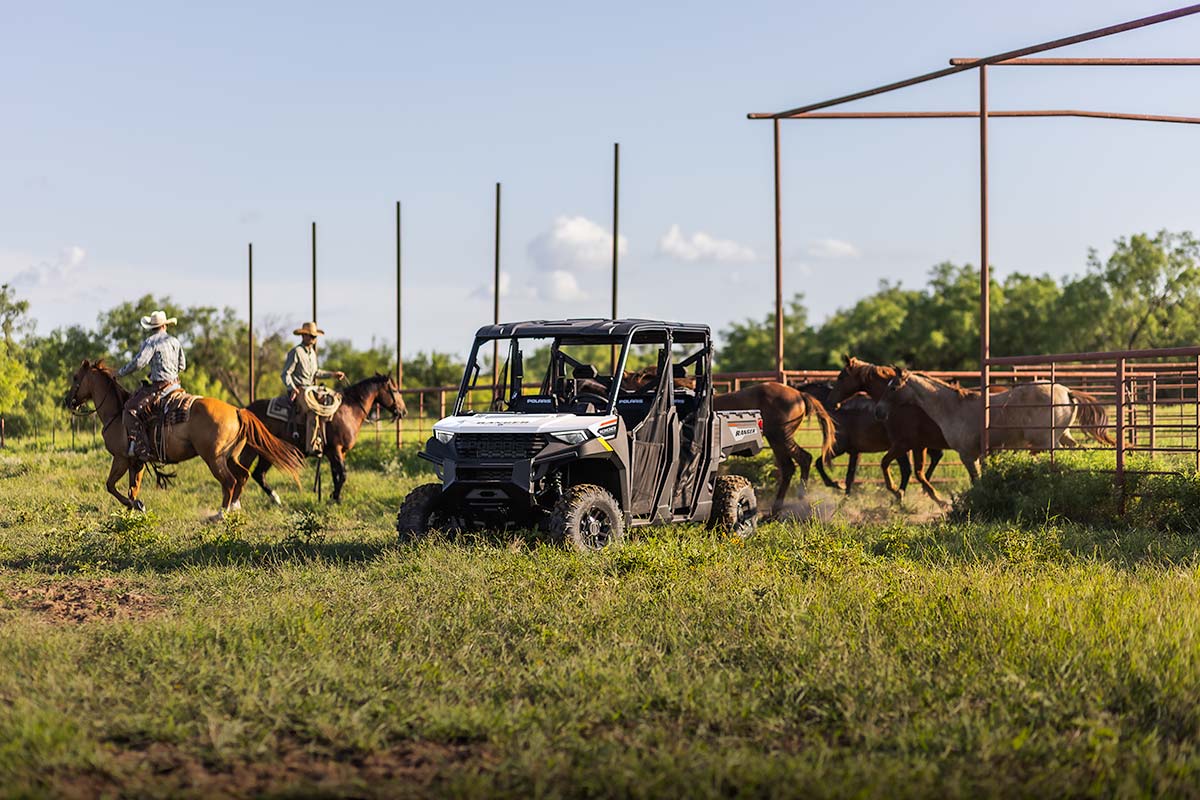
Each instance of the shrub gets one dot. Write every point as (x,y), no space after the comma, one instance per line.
(1079,487)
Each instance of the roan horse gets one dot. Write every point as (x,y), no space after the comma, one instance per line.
(858,431)
(1035,415)
(214,430)
(341,431)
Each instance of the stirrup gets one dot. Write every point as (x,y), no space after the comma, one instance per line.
(131,451)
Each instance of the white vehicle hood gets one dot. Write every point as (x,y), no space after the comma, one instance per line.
(523,423)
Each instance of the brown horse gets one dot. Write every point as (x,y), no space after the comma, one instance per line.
(858,431)
(783,409)
(910,429)
(214,430)
(341,431)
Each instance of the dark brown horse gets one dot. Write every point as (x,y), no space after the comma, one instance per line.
(859,431)
(341,431)
(910,429)
(783,409)
(215,431)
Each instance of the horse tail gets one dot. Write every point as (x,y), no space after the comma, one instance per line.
(828,426)
(278,452)
(1092,418)
(161,477)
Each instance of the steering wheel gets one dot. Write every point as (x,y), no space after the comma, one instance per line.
(597,400)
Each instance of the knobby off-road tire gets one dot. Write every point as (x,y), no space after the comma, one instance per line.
(588,517)
(418,512)
(735,507)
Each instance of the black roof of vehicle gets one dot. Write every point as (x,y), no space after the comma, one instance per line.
(588,328)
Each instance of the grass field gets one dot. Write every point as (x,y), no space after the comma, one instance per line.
(300,650)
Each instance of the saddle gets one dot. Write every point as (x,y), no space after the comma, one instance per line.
(317,405)
(159,414)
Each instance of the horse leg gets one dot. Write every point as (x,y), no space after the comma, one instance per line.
(783,463)
(220,471)
(260,477)
(851,470)
(1066,440)
(136,470)
(120,466)
(906,469)
(803,458)
(337,468)
(972,470)
(935,456)
(888,457)
(240,476)
(830,482)
(923,477)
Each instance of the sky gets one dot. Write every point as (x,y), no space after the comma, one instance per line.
(146,143)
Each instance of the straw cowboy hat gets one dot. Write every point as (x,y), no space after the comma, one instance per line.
(309,328)
(156,319)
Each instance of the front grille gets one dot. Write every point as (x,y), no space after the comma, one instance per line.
(484,474)
(507,446)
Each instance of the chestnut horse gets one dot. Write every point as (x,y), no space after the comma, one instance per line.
(858,431)
(783,409)
(341,431)
(910,429)
(214,430)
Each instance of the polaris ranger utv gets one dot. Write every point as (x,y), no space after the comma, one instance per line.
(587,453)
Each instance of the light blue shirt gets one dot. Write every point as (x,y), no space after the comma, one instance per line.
(163,353)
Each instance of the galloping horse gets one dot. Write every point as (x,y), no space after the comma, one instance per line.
(858,431)
(909,427)
(341,431)
(1018,415)
(216,431)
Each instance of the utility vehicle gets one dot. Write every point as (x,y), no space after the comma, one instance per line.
(589,428)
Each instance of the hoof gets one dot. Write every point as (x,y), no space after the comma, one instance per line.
(138,505)
(214,518)
(275,498)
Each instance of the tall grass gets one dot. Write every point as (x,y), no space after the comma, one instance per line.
(826,659)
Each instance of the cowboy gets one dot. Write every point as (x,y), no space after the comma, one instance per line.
(164,354)
(301,371)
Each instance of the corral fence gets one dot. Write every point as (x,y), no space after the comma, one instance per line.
(1151,397)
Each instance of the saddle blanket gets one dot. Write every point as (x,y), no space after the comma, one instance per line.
(279,408)
(177,407)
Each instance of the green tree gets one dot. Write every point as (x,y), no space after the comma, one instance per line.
(750,345)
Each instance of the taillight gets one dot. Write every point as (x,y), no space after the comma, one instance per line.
(760,423)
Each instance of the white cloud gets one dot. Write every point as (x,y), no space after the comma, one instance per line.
(484,291)
(574,243)
(701,246)
(55,272)
(562,287)
(832,249)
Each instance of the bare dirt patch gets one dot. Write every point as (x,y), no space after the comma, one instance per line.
(412,768)
(78,601)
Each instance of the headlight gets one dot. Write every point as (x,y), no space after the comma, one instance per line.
(570,437)
(445,437)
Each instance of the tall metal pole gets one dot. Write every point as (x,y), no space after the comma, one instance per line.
(778,266)
(314,272)
(496,297)
(616,220)
(400,317)
(250,326)
(985,315)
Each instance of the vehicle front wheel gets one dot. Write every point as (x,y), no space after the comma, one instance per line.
(588,517)
(418,513)
(735,507)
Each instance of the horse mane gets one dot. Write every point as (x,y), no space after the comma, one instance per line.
(110,375)
(947,385)
(357,392)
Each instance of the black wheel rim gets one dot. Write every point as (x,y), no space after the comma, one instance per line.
(595,529)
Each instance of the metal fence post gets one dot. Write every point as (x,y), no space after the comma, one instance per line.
(1197,406)
(1120,474)
(1153,402)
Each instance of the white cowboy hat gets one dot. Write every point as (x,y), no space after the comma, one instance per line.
(309,329)
(156,319)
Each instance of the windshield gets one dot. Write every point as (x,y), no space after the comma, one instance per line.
(536,374)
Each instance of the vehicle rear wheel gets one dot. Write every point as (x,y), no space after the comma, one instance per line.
(419,513)
(735,507)
(588,517)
